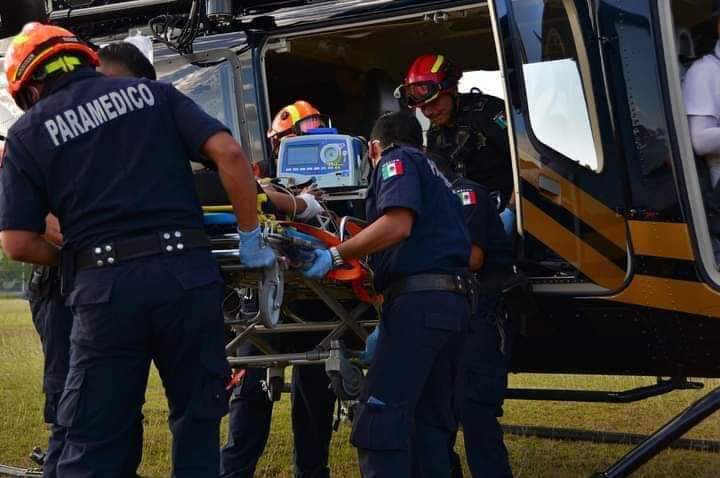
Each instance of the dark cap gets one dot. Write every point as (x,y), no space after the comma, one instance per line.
(716,8)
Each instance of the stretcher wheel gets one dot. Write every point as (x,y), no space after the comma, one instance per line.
(275,386)
(270,296)
(348,383)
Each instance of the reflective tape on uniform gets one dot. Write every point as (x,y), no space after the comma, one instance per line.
(82,119)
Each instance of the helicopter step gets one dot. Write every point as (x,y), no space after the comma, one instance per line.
(606,437)
(661,439)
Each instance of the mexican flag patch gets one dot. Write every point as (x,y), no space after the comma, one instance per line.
(392,168)
(467,196)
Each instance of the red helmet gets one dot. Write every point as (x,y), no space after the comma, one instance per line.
(33,46)
(428,76)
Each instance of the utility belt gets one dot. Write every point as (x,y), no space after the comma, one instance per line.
(455,283)
(111,253)
(166,242)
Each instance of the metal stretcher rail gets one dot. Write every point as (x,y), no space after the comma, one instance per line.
(272,288)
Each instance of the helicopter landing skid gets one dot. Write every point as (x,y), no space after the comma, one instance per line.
(667,434)
(14,471)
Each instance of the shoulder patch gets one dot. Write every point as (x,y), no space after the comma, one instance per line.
(467,196)
(500,120)
(392,168)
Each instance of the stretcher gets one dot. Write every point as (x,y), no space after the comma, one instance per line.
(257,310)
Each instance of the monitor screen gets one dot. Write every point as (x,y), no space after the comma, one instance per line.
(303,155)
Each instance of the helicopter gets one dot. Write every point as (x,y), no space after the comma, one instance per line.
(612,228)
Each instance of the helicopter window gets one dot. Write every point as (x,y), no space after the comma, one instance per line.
(211,87)
(556,101)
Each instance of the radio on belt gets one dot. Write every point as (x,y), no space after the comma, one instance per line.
(330,160)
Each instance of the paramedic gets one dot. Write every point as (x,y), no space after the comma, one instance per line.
(485,364)
(125,59)
(52,319)
(110,158)
(313,400)
(419,249)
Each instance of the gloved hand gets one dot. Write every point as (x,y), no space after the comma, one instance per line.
(321,265)
(254,252)
(508,219)
(312,206)
(370,344)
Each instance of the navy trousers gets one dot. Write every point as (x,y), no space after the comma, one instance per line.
(484,391)
(411,387)
(53,321)
(313,403)
(163,308)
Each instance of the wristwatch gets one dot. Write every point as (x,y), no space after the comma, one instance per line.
(337,259)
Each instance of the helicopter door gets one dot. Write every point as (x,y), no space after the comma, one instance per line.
(571,184)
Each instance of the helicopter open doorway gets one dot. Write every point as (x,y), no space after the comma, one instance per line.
(570,242)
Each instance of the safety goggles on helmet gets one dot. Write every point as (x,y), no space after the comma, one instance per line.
(311,122)
(305,125)
(301,126)
(418,94)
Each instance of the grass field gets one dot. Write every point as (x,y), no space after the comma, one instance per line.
(21,421)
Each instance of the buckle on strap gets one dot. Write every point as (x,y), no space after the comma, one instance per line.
(461,284)
(171,241)
(104,254)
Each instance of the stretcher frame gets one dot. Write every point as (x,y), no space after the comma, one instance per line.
(329,350)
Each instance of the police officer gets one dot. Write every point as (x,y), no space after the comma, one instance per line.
(419,249)
(52,319)
(485,363)
(110,158)
(701,94)
(313,400)
(469,129)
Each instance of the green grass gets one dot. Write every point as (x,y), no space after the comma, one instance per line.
(21,425)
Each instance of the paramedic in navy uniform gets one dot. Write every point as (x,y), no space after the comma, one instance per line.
(110,158)
(52,319)
(420,252)
(484,351)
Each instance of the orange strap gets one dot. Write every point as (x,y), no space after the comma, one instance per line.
(235,379)
(352,272)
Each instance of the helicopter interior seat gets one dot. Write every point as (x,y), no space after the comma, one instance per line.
(685,50)
(379,96)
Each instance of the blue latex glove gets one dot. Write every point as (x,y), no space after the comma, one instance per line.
(370,344)
(254,252)
(320,266)
(508,220)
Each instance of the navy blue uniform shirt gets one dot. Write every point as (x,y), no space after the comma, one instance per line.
(484,223)
(439,242)
(110,157)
